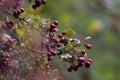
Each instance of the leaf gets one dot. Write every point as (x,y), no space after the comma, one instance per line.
(21,33)
(70,32)
(24,15)
(65,56)
(45,61)
(73,60)
(70,45)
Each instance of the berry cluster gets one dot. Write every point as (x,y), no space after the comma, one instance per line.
(8,41)
(67,49)
(5,62)
(18,41)
(8,37)
(9,24)
(17,12)
(38,3)
(80,61)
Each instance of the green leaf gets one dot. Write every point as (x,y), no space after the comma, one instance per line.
(70,32)
(70,45)
(73,60)
(24,15)
(21,33)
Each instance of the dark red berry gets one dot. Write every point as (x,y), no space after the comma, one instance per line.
(22,10)
(69,69)
(58,45)
(79,64)
(53,53)
(53,39)
(87,64)
(81,59)
(52,26)
(49,58)
(56,23)
(15,14)
(83,52)
(52,46)
(63,33)
(75,67)
(34,6)
(49,54)
(18,11)
(43,1)
(64,40)
(60,36)
(11,22)
(38,2)
(90,60)
(88,46)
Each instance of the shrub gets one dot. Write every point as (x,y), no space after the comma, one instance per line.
(28,43)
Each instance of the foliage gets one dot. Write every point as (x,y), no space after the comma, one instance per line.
(28,43)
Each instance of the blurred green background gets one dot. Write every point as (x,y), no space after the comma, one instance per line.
(99,19)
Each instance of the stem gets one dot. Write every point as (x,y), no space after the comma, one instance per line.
(10,13)
(7,12)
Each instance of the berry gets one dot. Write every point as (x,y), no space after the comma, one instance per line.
(81,59)
(79,64)
(53,39)
(63,33)
(88,46)
(49,58)
(34,6)
(58,45)
(60,36)
(52,26)
(53,53)
(77,41)
(43,1)
(17,12)
(22,10)
(38,3)
(64,40)
(52,46)
(75,67)
(83,52)
(90,60)
(69,69)
(87,64)
(49,54)
(52,30)
(56,23)
(11,22)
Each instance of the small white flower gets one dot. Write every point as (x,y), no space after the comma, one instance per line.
(87,38)
(66,56)
(7,36)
